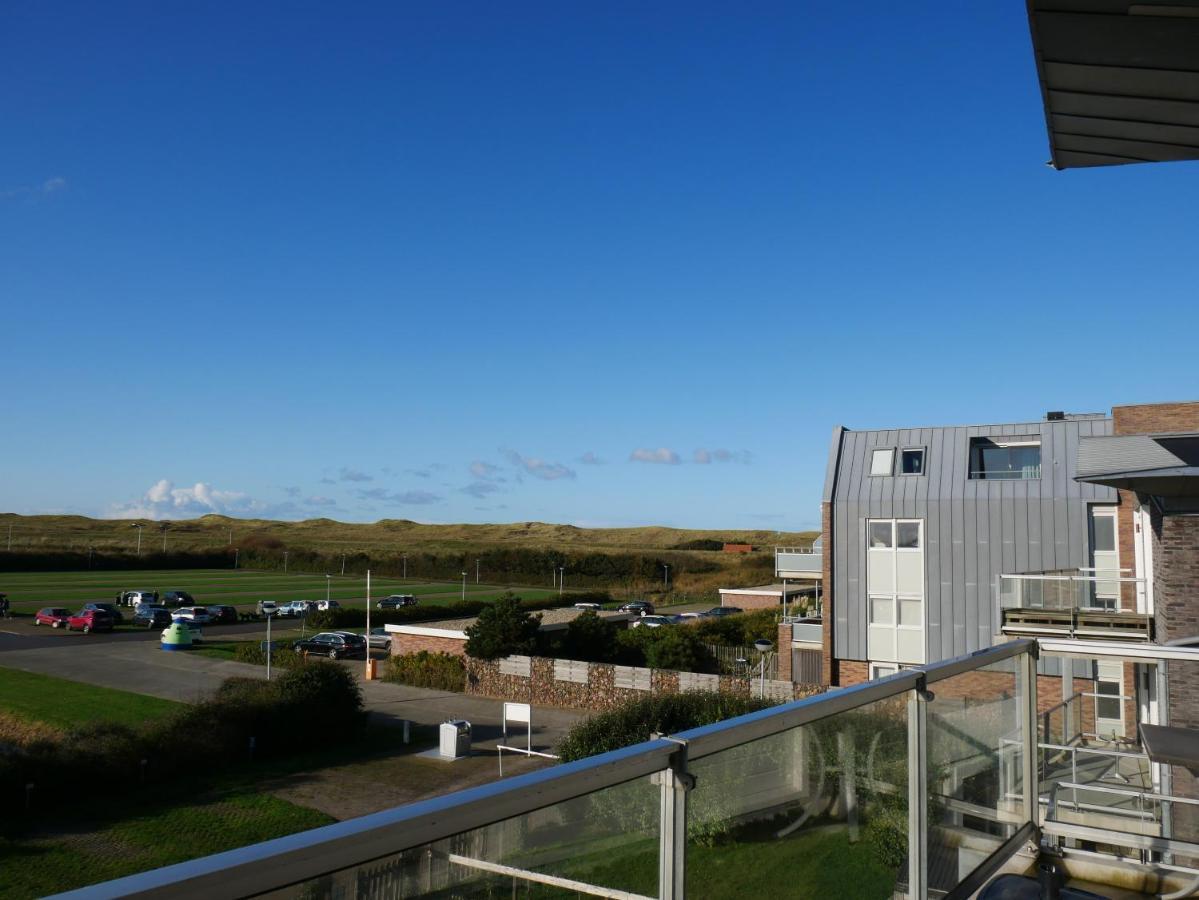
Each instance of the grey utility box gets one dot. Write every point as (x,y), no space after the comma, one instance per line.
(455,738)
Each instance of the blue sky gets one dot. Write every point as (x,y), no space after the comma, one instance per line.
(613,264)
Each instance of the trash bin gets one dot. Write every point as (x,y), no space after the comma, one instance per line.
(455,738)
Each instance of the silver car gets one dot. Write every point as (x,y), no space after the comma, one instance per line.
(379,639)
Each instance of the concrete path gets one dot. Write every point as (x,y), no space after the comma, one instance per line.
(143,668)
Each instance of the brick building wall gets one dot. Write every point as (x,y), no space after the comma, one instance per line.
(414,643)
(751,601)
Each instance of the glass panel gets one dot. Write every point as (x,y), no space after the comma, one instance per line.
(992,460)
(1105,533)
(608,838)
(910,612)
(908,535)
(880,571)
(882,611)
(975,745)
(912,462)
(817,811)
(880,535)
(881,460)
(909,569)
(1104,708)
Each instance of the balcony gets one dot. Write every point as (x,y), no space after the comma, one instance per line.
(930,782)
(1072,604)
(798,562)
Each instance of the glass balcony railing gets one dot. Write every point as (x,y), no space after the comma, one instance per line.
(1097,605)
(798,562)
(924,783)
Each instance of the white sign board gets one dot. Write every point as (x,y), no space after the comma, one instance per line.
(518,712)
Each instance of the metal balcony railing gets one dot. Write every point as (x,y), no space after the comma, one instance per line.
(1099,605)
(940,767)
(792,562)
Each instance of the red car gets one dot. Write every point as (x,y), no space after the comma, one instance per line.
(90,620)
(54,616)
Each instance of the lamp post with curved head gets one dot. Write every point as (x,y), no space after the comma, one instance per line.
(464,587)
(139,526)
(763,647)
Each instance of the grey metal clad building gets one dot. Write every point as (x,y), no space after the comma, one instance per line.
(924,519)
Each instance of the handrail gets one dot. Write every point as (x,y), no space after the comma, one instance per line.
(804,550)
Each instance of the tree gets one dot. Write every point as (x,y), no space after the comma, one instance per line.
(502,629)
(678,647)
(590,638)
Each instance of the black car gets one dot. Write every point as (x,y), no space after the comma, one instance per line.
(395,601)
(152,616)
(221,615)
(717,612)
(178,598)
(641,607)
(110,608)
(333,644)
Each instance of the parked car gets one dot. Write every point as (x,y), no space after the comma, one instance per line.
(197,614)
(326,605)
(152,616)
(395,601)
(333,644)
(133,598)
(379,638)
(178,598)
(54,616)
(297,609)
(595,607)
(691,616)
(654,621)
(717,612)
(640,607)
(90,620)
(268,608)
(118,618)
(222,615)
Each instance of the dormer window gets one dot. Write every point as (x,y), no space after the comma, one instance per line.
(1005,458)
(911,462)
(882,461)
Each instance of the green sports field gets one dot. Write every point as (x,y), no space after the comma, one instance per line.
(29,591)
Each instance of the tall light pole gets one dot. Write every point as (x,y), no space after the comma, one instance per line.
(343,564)
(269,647)
(139,526)
(236,554)
(561,578)
(762,646)
(405,566)
(230,536)
(10,536)
(464,587)
(163,528)
(328,579)
(666,576)
(368,622)
(476,571)
(284,560)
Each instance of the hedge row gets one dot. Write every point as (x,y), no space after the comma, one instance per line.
(439,671)
(247,717)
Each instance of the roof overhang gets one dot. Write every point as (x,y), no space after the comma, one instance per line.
(1119,80)
(1158,465)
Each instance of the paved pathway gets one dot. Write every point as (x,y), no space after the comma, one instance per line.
(143,668)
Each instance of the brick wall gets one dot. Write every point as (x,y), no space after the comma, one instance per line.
(783,643)
(1155,418)
(414,643)
(750,601)
(483,679)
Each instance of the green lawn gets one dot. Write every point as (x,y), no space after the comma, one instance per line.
(28,591)
(62,703)
(146,838)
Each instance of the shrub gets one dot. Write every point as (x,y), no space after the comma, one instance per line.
(502,629)
(634,721)
(590,638)
(440,671)
(252,652)
(739,631)
(679,649)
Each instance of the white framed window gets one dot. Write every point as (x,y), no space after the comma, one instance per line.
(911,461)
(882,461)
(1005,458)
(895,590)
(882,670)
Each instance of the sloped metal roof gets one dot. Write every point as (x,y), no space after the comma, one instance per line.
(1163,465)
(1119,80)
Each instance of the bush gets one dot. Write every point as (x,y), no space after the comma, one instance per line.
(634,721)
(440,671)
(590,638)
(679,649)
(252,652)
(739,631)
(502,629)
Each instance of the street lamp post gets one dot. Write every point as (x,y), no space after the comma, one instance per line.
(284,560)
(561,578)
(463,587)
(328,581)
(763,647)
(343,564)
(405,566)
(236,554)
(476,571)
(666,576)
(163,528)
(139,526)
(269,648)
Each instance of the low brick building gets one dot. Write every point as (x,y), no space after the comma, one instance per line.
(766,596)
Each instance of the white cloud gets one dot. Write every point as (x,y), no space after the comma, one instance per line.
(480,489)
(165,501)
(721,455)
(590,459)
(661,456)
(47,187)
(353,475)
(539,468)
(399,498)
(484,470)
(50,185)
